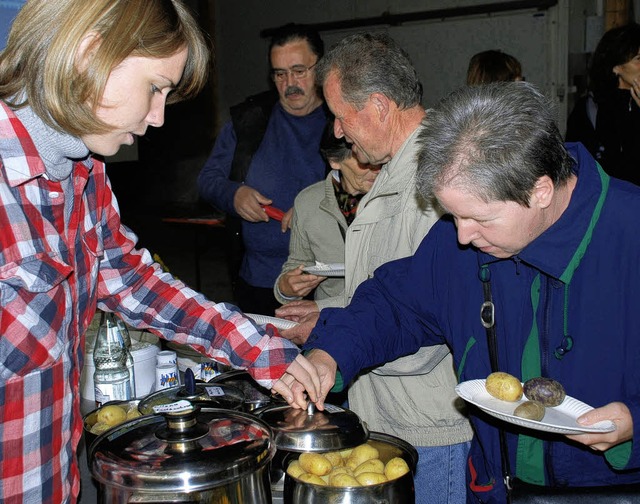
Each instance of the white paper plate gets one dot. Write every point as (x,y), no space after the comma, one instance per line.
(280,323)
(328,270)
(560,419)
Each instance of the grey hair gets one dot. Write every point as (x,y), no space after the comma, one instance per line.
(368,63)
(495,140)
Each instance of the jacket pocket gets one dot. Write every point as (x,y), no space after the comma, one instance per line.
(33,306)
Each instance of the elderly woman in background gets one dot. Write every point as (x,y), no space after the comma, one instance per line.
(322,213)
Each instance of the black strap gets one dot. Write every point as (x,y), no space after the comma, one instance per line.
(487,317)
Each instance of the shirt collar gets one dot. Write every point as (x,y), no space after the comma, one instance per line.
(20,157)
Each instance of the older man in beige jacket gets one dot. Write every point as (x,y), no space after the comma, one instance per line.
(374,92)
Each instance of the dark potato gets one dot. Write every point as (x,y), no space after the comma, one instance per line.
(531,410)
(546,391)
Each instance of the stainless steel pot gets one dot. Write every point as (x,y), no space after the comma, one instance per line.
(207,455)
(398,491)
(299,431)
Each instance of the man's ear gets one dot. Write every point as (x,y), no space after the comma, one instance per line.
(381,104)
(335,165)
(543,192)
(86,50)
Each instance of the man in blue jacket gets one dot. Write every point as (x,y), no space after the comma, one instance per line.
(556,242)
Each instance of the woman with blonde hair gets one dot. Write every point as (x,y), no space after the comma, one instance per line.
(78,79)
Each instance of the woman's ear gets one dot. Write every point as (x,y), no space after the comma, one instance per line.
(86,50)
(543,192)
(335,165)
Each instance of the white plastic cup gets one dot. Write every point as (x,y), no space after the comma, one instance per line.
(166,357)
(167,376)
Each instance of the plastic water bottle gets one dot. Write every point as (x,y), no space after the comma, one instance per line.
(126,338)
(111,377)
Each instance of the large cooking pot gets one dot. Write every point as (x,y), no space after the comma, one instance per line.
(397,491)
(198,455)
(336,428)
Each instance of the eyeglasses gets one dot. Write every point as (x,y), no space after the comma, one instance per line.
(298,72)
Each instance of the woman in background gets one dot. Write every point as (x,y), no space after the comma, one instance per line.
(322,213)
(493,66)
(607,119)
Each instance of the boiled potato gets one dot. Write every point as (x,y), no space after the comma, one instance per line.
(345,453)
(294,469)
(111,415)
(372,465)
(354,467)
(340,470)
(133,412)
(312,478)
(99,428)
(504,386)
(395,468)
(315,463)
(531,410)
(361,454)
(343,480)
(370,478)
(335,458)
(546,391)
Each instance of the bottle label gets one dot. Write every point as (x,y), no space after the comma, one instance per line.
(101,397)
(106,392)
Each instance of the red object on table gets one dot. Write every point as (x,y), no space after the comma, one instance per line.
(273,212)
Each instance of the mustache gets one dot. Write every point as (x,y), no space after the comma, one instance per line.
(293,90)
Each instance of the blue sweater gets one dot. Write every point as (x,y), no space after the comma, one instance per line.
(592,276)
(287,161)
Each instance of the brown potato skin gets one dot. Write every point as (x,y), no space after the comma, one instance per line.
(531,410)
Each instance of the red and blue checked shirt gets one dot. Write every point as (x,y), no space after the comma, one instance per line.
(52,279)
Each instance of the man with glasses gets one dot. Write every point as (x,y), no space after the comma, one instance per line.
(264,156)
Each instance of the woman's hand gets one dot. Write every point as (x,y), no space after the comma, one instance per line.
(297,310)
(305,375)
(298,283)
(300,333)
(326,368)
(618,413)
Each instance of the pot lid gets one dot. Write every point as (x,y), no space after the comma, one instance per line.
(254,394)
(300,430)
(185,451)
(216,395)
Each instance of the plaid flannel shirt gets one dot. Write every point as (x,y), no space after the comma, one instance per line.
(52,278)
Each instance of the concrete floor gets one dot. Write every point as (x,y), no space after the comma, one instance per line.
(175,244)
